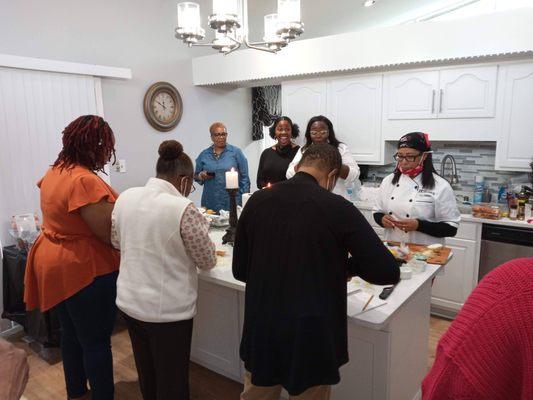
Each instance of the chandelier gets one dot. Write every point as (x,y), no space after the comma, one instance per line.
(229,20)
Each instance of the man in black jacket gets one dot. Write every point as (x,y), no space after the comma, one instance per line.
(291,249)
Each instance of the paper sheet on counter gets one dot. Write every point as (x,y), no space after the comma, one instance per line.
(357,300)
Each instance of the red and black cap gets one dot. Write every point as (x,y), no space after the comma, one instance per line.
(415,140)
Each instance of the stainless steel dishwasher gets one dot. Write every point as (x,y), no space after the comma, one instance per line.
(500,244)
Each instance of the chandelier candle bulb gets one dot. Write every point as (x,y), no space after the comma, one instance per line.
(289,10)
(226,7)
(232,179)
(271,27)
(189,16)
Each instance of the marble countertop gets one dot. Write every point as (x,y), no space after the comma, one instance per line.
(376,318)
(465,217)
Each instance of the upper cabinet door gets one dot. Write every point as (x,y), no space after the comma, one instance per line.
(467,92)
(301,100)
(412,95)
(354,106)
(514,149)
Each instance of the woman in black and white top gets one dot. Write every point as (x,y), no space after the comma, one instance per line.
(415,204)
(275,160)
(320,130)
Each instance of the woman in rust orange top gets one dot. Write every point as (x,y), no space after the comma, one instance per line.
(72,266)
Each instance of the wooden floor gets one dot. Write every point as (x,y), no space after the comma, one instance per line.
(46,381)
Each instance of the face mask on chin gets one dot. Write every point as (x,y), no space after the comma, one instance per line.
(413,171)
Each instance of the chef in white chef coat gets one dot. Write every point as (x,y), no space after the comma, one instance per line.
(415,204)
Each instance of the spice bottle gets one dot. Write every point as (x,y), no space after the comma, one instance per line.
(513,208)
(522,199)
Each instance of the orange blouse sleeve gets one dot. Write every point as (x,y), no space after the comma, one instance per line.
(89,189)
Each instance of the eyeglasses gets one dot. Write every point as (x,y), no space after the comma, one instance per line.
(318,133)
(220,134)
(398,157)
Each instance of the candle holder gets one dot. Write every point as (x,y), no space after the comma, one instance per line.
(229,237)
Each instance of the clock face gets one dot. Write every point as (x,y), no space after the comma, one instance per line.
(163,106)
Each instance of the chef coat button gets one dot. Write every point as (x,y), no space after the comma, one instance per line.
(410,200)
(398,185)
(390,212)
(392,198)
(407,215)
(416,187)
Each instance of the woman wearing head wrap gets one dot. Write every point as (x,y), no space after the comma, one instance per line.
(415,204)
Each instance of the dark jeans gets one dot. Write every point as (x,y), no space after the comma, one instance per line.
(87,320)
(161,352)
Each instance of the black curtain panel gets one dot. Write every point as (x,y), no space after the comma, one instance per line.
(266,107)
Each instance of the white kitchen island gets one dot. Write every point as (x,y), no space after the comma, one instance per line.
(388,345)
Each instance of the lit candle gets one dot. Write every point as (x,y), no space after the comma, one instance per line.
(232,179)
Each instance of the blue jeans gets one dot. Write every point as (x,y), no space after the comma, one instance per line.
(87,320)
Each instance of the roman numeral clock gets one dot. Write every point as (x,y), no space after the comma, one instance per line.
(163,106)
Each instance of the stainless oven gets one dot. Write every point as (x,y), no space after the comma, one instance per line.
(500,244)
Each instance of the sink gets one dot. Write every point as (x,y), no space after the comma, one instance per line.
(464,208)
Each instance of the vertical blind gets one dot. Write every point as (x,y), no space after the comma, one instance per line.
(35,107)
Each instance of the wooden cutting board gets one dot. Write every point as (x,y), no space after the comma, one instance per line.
(439,256)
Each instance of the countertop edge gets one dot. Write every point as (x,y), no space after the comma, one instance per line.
(464,217)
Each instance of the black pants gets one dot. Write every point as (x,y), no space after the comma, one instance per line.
(161,352)
(87,320)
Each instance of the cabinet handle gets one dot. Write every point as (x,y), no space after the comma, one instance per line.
(433,102)
(440,100)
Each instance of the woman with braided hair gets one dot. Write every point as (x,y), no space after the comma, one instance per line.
(72,266)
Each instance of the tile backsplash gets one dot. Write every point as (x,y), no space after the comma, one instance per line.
(472,158)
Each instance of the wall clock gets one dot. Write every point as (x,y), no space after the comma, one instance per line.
(163,106)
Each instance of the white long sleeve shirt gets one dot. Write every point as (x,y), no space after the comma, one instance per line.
(161,242)
(347,159)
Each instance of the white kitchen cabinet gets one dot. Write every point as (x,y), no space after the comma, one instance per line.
(452,287)
(411,95)
(467,92)
(447,93)
(514,149)
(216,334)
(354,106)
(459,277)
(301,100)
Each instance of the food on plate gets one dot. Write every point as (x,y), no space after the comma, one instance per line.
(221,253)
(210,212)
(435,246)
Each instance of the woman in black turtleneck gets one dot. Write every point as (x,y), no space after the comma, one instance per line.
(275,160)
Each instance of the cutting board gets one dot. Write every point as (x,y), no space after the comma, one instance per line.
(440,256)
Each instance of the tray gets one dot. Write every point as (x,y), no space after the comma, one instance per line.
(439,257)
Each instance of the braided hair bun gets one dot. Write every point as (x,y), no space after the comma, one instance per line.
(170,150)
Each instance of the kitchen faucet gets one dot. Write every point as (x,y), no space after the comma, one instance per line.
(454,179)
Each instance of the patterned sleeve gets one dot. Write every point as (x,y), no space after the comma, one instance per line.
(194,232)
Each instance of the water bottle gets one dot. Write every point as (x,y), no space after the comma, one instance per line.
(478,189)
(349,191)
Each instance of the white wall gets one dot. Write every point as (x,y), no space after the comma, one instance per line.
(137,34)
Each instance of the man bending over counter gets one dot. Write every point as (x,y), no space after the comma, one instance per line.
(292,246)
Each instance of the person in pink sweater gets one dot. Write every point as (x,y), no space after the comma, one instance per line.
(487,353)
